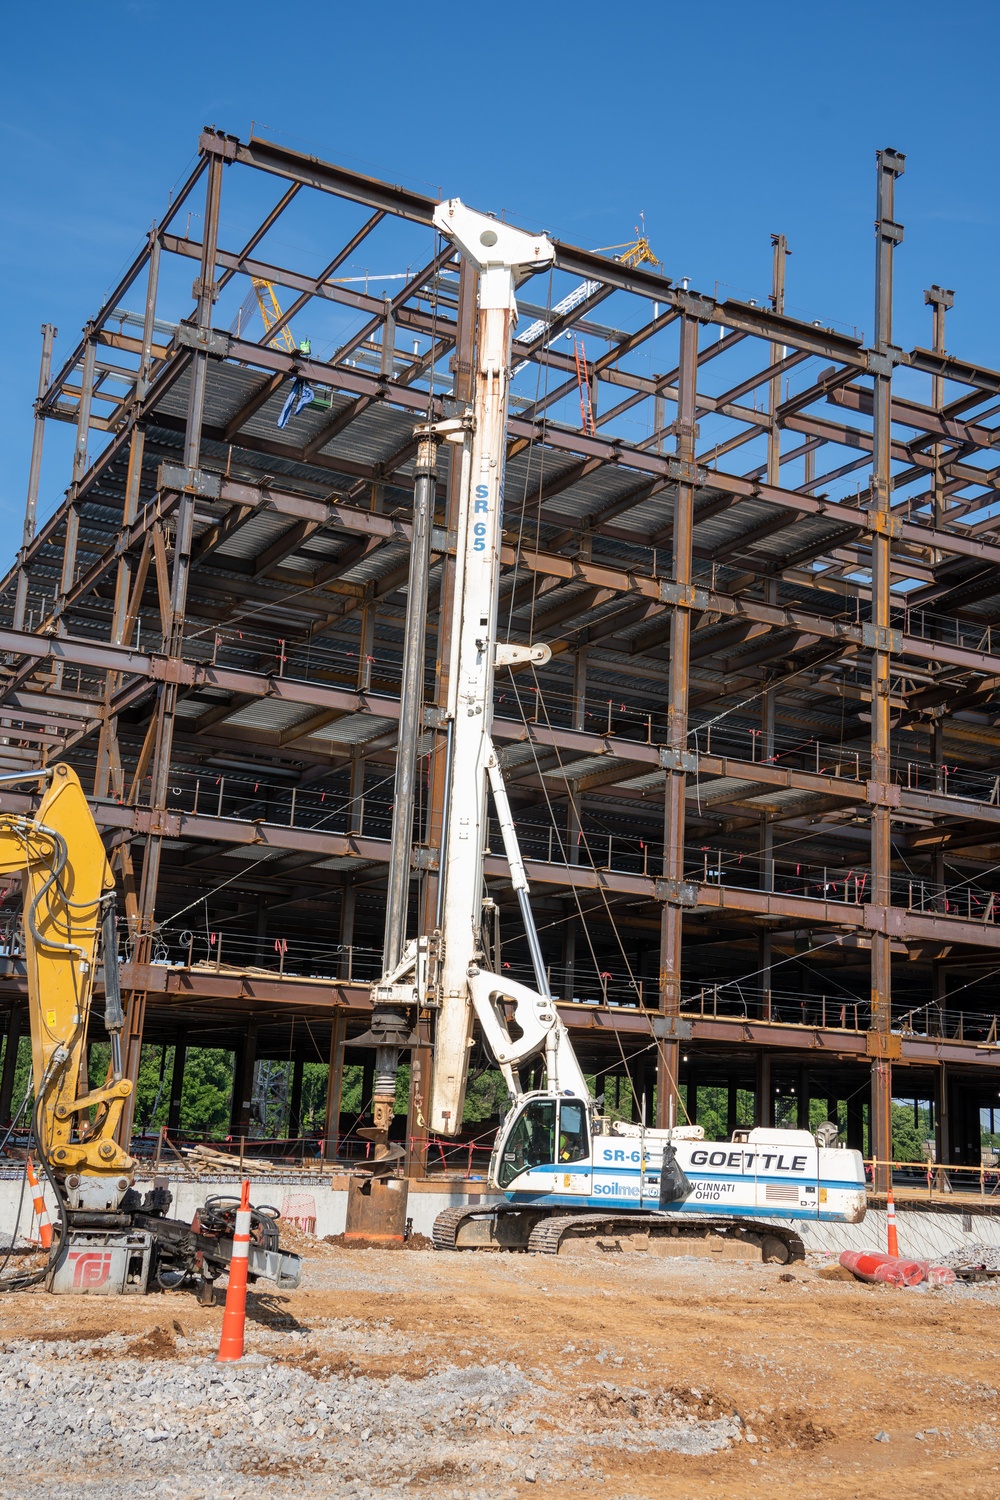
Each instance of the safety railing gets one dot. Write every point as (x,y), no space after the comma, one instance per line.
(821,882)
(747,742)
(291,956)
(177,1151)
(247,799)
(937,1182)
(749,1001)
(973,903)
(789,1008)
(925,625)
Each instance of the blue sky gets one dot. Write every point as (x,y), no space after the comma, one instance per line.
(721,122)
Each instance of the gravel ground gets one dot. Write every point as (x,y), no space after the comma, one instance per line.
(491,1377)
(973,1254)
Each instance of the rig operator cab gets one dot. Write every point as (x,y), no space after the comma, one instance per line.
(557,1151)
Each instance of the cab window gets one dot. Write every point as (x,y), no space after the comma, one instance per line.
(532,1141)
(573,1142)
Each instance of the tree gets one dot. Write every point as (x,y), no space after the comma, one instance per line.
(713,1111)
(907,1138)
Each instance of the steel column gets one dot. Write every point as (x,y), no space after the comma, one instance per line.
(334,1086)
(763,1103)
(942,1124)
(573,827)
(411,713)
(34,472)
(411,709)
(856,1121)
(294,1127)
(177,1082)
(888,235)
(123,580)
(767,704)
(120,630)
(732,1106)
(205,292)
(10,1063)
(244,1063)
(940,300)
(672,915)
(802,1100)
(432,889)
(72,534)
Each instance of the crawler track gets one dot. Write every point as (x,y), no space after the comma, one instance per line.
(544,1233)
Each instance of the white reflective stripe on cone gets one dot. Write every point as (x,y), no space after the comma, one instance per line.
(241,1239)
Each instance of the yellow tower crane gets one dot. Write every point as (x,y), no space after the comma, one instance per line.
(261,298)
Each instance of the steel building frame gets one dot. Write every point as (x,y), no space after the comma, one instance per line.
(747,658)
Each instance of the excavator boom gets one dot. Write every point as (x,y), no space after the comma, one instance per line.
(68,894)
(110,1239)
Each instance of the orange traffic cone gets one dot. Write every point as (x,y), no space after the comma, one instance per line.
(234,1317)
(41,1212)
(890,1213)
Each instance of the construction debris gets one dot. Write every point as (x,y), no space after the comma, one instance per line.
(206,1159)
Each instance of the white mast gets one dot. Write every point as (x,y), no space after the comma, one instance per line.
(503,256)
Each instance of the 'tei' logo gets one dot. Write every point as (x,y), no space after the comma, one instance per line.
(92,1268)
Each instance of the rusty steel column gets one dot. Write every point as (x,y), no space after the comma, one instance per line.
(579,714)
(411,719)
(880,640)
(204,288)
(463,370)
(411,708)
(940,300)
(34,474)
(71,538)
(766,738)
(676,757)
(130,509)
(120,629)
(205,293)
(767,700)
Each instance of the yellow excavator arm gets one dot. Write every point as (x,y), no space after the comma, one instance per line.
(68,903)
(111,1238)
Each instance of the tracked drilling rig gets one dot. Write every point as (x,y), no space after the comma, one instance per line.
(564,1169)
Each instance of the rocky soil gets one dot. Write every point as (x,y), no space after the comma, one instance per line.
(491,1377)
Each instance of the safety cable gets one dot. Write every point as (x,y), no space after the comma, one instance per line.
(576,897)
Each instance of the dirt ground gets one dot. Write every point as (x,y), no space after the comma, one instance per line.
(804,1386)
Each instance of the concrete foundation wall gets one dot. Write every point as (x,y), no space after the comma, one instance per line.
(920,1233)
(426,1200)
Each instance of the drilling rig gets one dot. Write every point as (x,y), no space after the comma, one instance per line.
(565,1170)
